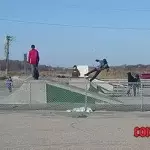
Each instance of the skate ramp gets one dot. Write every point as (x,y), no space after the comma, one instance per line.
(83,83)
(106,88)
(98,88)
(117,92)
(46,92)
(32,92)
(79,82)
(4,92)
(104,92)
(69,93)
(117,89)
(103,84)
(94,86)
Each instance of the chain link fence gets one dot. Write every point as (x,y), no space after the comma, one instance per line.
(76,94)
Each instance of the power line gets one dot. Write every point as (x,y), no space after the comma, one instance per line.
(76,26)
(125,9)
(115,9)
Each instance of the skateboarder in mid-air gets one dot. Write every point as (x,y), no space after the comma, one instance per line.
(103,64)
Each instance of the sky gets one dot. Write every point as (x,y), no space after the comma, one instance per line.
(68,32)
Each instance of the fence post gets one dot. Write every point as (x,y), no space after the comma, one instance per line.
(30,94)
(86,89)
(141,97)
(117,93)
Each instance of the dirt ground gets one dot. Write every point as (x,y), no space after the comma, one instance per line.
(45,130)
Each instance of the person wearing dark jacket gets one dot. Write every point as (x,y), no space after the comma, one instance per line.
(131,84)
(103,64)
(75,72)
(33,59)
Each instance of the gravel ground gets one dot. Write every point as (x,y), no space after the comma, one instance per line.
(45,130)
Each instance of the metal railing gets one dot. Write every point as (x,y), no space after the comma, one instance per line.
(76,93)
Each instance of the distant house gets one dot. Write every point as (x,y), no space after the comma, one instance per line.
(83,69)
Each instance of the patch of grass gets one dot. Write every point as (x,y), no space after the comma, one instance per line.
(13,73)
(114,73)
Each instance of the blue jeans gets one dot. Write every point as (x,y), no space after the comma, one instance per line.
(97,70)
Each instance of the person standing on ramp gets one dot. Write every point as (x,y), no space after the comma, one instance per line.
(103,64)
(33,59)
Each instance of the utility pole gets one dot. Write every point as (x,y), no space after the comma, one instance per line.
(8,39)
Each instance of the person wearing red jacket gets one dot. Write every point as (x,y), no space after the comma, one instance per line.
(33,59)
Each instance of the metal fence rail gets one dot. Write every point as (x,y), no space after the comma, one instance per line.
(58,95)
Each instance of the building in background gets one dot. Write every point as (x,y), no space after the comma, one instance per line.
(83,69)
